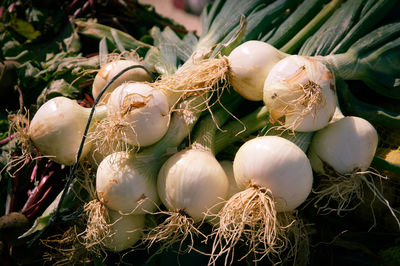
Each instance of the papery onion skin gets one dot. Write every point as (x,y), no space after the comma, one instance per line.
(123,185)
(142,110)
(347,145)
(249,65)
(57,129)
(300,92)
(276,164)
(192,181)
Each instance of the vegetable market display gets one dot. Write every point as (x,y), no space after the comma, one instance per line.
(271,138)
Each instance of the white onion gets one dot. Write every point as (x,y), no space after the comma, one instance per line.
(276,164)
(57,129)
(249,65)
(125,184)
(126,230)
(347,145)
(142,112)
(300,93)
(111,69)
(274,177)
(193,181)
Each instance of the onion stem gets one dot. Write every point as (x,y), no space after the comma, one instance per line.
(292,45)
(240,129)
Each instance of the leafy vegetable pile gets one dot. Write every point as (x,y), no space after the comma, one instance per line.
(270,138)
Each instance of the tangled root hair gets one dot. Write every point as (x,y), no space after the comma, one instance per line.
(249,217)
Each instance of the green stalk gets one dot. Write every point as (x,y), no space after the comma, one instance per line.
(208,15)
(367,6)
(366,23)
(311,27)
(260,22)
(376,38)
(374,114)
(374,59)
(253,26)
(380,163)
(169,38)
(379,68)
(295,22)
(240,129)
(225,21)
(333,30)
(205,133)
(182,123)
(301,139)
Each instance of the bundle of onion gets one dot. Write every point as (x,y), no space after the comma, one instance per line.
(245,68)
(274,177)
(139,113)
(132,105)
(341,155)
(126,181)
(197,75)
(192,184)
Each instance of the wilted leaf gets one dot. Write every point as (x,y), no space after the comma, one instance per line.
(98,31)
(24,28)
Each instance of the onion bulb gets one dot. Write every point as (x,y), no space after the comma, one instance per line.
(250,64)
(347,146)
(275,177)
(139,112)
(300,93)
(126,185)
(192,185)
(57,129)
(276,164)
(341,154)
(194,182)
(111,69)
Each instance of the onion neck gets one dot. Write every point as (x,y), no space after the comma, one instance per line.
(100,112)
(205,134)
(337,115)
(182,122)
(292,45)
(173,96)
(345,66)
(240,129)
